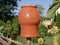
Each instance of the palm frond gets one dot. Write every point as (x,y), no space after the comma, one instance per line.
(51,10)
(54,3)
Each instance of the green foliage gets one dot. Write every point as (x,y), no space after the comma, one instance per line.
(52,9)
(13,37)
(7,29)
(56,0)
(7,26)
(8,21)
(40,8)
(15,26)
(7,8)
(42,30)
(58,20)
(50,14)
(10,28)
(48,39)
(5,33)
(20,39)
(1,26)
(13,44)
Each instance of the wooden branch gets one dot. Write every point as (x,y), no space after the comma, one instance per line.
(10,40)
(3,42)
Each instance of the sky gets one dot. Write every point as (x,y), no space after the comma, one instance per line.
(44,3)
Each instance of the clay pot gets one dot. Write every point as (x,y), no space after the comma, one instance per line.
(28,19)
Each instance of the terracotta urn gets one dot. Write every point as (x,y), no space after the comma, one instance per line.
(28,19)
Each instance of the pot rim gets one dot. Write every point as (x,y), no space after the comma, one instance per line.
(28,6)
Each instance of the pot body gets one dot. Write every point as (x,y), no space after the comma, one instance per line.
(28,19)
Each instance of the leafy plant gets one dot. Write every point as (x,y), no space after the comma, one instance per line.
(51,11)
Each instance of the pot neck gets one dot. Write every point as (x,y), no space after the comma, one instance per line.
(29,6)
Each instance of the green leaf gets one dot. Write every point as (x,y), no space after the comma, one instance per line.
(58,20)
(51,12)
(42,30)
(48,39)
